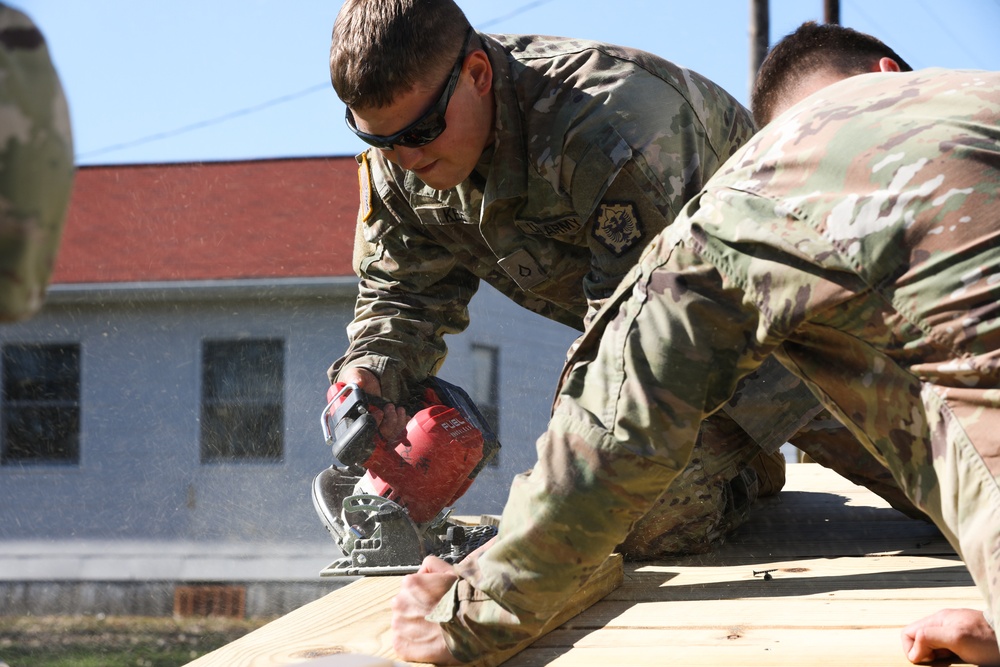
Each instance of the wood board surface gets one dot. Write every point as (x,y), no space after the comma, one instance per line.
(355,620)
(844,573)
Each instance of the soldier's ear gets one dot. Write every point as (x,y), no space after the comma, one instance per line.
(481,70)
(886,65)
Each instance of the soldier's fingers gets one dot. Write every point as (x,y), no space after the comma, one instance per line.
(951,633)
(433,564)
(393,422)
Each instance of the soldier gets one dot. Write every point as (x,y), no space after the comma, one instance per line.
(855,239)
(801,63)
(812,57)
(542,166)
(36,165)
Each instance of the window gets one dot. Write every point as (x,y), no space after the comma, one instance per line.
(41,404)
(485,390)
(242,400)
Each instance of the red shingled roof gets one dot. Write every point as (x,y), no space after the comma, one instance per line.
(181,222)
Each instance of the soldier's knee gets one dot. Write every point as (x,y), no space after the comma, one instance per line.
(770,470)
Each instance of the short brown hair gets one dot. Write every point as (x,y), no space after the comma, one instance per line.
(382,48)
(811,48)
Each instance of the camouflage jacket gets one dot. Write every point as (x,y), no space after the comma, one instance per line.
(596,149)
(855,238)
(36,165)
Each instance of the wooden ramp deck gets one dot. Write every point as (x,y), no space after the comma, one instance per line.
(844,573)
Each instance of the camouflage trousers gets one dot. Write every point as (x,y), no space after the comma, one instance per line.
(965,501)
(711,497)
(730,469)
(714,495)
(947,473)
(829,443)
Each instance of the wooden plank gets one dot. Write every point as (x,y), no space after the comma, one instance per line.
(862,540)
(352,619)
(828,612)
(858,647)
(605,580)
(355,620)
(815,478)
(820,514)
(860,578)
(848,573)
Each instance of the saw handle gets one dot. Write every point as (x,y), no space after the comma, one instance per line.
(353,434)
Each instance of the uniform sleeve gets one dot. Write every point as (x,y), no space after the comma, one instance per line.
(411,293)
(629,409)
(36,166)
(676,140)
(632,211)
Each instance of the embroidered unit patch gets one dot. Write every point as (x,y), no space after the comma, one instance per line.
(618,227)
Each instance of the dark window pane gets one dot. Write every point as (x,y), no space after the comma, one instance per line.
(41,404)
(41,372)
(41,434)
(242,410)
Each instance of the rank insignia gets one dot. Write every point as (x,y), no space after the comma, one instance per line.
(618,227)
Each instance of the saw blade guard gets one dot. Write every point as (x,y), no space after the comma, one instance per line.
(377,536)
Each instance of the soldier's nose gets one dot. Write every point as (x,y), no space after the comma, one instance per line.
(407,158)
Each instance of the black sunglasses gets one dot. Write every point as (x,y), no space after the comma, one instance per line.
(425,129)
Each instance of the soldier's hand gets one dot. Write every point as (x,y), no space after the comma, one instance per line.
(951,633)
(364,378)
(391,419)
(414,637)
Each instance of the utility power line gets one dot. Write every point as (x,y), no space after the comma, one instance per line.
(275,101)
(207,122)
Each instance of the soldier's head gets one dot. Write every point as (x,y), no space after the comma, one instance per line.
(417,84)
(812,57)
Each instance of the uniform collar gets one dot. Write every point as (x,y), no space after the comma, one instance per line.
(508,175)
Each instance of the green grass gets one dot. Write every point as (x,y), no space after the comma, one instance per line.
(115,641)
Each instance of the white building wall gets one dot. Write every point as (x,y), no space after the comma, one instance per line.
(532,351)
(140,477)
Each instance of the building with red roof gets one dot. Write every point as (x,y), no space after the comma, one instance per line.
(160,415)
(266,220)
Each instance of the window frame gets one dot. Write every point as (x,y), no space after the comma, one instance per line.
(489,405)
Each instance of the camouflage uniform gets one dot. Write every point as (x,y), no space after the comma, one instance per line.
(596,150)
(36,165)
(856,239)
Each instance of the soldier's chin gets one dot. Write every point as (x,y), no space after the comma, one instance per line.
(437,175)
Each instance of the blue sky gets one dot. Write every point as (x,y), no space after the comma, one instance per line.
(204,80)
